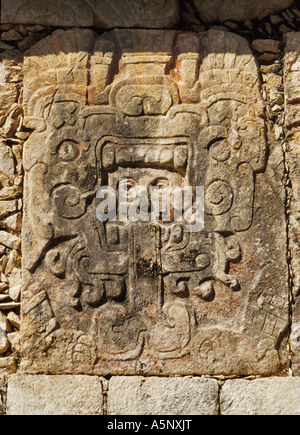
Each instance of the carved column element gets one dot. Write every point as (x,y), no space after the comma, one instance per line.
(159,108)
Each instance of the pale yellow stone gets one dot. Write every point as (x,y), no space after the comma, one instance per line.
(54,395)
(10,240)
(4,328)
(162,396)
(270,396)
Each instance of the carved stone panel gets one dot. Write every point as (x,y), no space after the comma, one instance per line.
(157,108)
(292,121)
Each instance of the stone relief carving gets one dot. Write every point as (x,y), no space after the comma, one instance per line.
(292,122)
(157,108)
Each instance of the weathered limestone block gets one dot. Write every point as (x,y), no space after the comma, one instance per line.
(4,327)
(292,124)
(104,14)
(10,240)
(7,365)
(8,96)
(155,14)
(7,207)
(52,13)
(266,45)
(269,396)
(238,10)
(7,165)
(160,109)
(13,223)
(162,396)
(54,395)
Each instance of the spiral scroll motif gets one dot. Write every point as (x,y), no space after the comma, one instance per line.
(69,202)
(218,197)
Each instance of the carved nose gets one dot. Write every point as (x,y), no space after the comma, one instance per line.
(205,291)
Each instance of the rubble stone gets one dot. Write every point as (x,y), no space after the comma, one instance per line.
(2,393)
(6,161)
(4,326)
(220,10)
(263,45)
(7,207)
(10,240)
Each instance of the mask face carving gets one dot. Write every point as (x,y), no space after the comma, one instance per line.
(149,109)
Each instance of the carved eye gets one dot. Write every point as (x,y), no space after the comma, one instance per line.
(68,151)
(130,183)
(128,186)
(220,151)
(127,183)
(162,184)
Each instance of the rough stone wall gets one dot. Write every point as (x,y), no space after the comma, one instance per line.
(33,377)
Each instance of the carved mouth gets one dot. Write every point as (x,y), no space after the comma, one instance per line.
(171,154)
